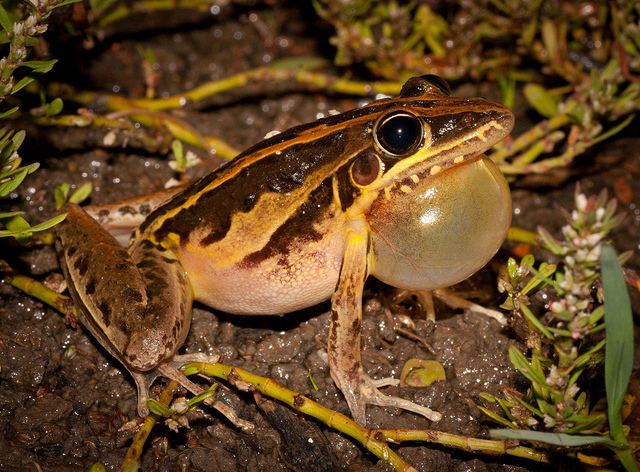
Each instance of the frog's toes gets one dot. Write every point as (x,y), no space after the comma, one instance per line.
(366,392)
(455,301)
(171,369)
(181,359)
(143,384)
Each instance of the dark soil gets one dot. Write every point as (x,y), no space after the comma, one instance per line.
(65,404)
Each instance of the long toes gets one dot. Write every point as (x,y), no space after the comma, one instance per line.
(381,399)
(366,392)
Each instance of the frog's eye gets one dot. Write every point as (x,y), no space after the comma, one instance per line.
(427,86)
(439,83)
(399,133)
(366,168)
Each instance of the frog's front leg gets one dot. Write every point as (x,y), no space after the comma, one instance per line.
(344,336)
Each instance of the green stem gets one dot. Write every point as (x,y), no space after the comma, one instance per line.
(315,80)
(131,461)
(486,446)
(304,405)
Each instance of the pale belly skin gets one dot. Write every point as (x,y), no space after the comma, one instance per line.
(284,283)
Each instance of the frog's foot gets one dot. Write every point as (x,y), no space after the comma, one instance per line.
(363,390)
(450,298)
(171,369)
(456,301)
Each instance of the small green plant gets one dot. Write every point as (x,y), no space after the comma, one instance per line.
(565,336)
(182,160)
(20,28)
(12,173)
(62,194)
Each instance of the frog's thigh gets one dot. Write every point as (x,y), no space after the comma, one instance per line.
(137,305)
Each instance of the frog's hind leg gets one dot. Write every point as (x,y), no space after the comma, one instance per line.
(344,338)
(136,303)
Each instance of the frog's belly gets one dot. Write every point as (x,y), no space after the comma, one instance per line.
(306,275)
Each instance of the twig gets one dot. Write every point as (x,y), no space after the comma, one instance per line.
(131,462)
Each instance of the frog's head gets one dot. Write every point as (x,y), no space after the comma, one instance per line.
(437,209)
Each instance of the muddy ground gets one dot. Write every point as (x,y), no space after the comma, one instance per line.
(64,402)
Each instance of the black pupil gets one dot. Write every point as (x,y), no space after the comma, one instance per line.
(400,134)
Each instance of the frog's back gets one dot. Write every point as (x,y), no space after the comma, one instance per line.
(263,233)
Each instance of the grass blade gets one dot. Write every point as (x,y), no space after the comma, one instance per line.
(557,439)
(619,328)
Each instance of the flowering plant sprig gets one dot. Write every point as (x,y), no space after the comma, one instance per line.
(563,335)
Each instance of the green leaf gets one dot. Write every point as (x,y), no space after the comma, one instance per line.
(60,194)
(208,393)
(421,373)
(619,328)
(5,21)
(10,214)
(538,97)
(557,439)
(17,170)
(18,138)
(627,459)
(22,232)
(159,409)
(533,319)
(512,267)
(97,467)
(18,223)
(613,131)
(9,112)
(507,85)
(525,368)
(13,179)
(586,357)
(542,275)
(20,227)
(314,385)
(178,152)
(488,397)
(550,242)
(50,223)
(497,418)
(586,423)
(54,107)
(41,67)
(81,193)
(10,185)
(532,409)
(22,83)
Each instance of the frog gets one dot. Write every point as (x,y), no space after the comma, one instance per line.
(398,189)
